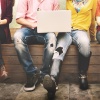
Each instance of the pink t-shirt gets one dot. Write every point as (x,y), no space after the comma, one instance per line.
(28,8)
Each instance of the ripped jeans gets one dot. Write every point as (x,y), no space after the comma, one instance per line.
(26,36)
(77,37)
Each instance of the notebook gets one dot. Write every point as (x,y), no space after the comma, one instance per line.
(54,21)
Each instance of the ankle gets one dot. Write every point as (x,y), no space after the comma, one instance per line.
(83,82)
(82,75)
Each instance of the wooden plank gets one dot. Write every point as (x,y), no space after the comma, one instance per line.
(64,69)
(38,60)
(8,49)
(73,78)
(74,69)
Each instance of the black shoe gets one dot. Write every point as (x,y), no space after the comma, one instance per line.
(31,81)
(41,77)
(40,80)
(49,84)
(83,82)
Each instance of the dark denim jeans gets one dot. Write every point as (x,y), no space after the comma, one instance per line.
(98,36)
(1,59)
(2,41)
(26,36)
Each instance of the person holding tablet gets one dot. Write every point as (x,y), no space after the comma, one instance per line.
(27,17)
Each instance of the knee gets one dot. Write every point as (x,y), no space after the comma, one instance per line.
(51,39)
(98,36)
(84,43)
(51,42)
(18,37)
(84,48)
(59,53)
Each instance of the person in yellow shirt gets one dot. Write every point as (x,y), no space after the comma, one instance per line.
(83,21)
(98,21)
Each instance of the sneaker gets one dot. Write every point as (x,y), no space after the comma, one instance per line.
(49,84)
(41,77)
(40,81)
(31,82)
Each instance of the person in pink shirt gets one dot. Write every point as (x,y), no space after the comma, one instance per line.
(27,17)
(98,21)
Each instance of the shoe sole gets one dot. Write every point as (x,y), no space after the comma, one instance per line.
(28,89)
(48,83)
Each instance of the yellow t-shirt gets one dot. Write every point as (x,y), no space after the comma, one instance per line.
(85,18)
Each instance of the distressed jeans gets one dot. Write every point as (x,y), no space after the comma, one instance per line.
(26,36)
(77,37)
(64,40)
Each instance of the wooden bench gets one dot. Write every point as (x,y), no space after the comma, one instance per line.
(69,68)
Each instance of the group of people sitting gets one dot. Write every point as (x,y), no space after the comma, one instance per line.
(85,18)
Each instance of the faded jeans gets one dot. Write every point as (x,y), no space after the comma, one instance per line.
(77,37)
(26,36)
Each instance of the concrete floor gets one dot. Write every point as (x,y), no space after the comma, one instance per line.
(65,92)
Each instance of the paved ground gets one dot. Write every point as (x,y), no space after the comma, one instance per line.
(65,92)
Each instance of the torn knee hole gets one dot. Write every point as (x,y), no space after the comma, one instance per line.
(60,50)
(51,45)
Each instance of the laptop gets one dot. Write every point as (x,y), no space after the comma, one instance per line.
(54,21)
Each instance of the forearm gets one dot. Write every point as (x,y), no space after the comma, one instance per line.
(25,23)
(3,22)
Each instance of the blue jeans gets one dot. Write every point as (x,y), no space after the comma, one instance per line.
(3,40)
(98,36)
(77,37)
(64,40)
(26,36)
(1,59)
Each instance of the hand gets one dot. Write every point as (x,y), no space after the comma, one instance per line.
(93,38)
(33,25)
(0,22)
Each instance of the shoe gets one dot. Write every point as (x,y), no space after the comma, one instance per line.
(49,84)
(40,80)
(31,82)
(41,77)
(4,74)
(83,82)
